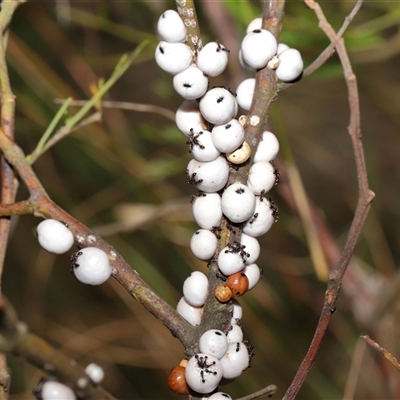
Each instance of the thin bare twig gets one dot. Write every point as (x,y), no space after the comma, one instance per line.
(354,372)
(330,49)
(9,185)
(66,130)
(267,391)
(126,105)
(365,198)
(16,339)
(382,350)
(42,205)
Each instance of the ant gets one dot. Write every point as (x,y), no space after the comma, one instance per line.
(194,140)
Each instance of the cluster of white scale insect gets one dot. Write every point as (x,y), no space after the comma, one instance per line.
(216,139)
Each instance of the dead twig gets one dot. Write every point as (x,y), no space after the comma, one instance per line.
(365,198)
(267,391)
(382,350)
(330,49)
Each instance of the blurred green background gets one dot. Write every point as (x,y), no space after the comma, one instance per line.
(124,178)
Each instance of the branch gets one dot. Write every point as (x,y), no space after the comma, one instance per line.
(9,185)
(78,120)
(329,51)
(42,205)
(365,198)
(15,339)
(126,105)
(382,350)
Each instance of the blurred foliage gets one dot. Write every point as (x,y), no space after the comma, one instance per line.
(117,177)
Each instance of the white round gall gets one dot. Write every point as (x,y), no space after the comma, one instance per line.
(253,274)
(235,361)
(228,137)
(245,92)
(209,176)
(291,65)
(170,27)
(238,202)
(201,146)
(281,47)
(207,210)
(91,266)
(262,177)
(213,342)
(203,373)
(188,118)
(54,236)
(267,148)
(212,59)
(256,23)
(190,83)
(244,63)
(252,248)
(190,313)
(230,262)
(52,390)
(173,57)
(195,289)
(218,106)
(95,372)
(237,311)
(220,396)
(235,334)
(258,47)
(203,244)
(265,214)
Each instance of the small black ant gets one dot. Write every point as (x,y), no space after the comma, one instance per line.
(195,196)
(74,259)
(220,47)
(194,140)
(276,173)
(192,180)
(238,248)
(254,217)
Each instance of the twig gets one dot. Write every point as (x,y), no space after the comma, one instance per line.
(267,391)
(15,339)
(365,198)
(78,120)
(41,205)
(329,51)
(126,105)
(46,135)
(356,365)
(382,350)
(9,185)
(65,131)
